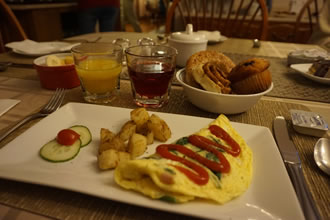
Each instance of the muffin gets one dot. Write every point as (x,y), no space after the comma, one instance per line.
(250,76)
(209,70)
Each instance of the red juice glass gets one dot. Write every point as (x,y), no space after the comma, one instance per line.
(151,69)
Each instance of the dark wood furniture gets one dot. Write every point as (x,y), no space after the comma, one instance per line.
(300,29)
(42,22)
(9,26)
(242,18)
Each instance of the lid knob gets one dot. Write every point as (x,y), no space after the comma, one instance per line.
(189,29)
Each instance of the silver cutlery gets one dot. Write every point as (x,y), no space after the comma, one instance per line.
(53,104)
(292,162)
(83,40)
(322,154)
(5,65)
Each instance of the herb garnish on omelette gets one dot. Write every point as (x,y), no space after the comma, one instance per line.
(213,164)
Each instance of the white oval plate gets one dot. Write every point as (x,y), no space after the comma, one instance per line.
(303,70)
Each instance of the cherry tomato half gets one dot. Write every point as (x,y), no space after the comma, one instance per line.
(67,137)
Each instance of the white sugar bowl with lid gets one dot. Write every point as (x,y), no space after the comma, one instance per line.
(187,43)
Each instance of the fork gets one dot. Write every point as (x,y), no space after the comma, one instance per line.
(53,104)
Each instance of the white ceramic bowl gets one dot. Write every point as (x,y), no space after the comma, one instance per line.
(217,102)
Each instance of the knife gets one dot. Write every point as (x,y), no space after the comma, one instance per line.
(292,162)
(5,65)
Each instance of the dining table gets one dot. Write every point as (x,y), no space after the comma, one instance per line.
(23,200)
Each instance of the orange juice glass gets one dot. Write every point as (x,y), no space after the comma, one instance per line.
(98,66)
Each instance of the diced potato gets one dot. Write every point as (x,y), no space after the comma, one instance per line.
(116,143)
(150,137)
(140,116)
(123,156)
(106,135)
(159,128)
(127,130)
(137,145)
(109,159)
(142,129)
(104,146)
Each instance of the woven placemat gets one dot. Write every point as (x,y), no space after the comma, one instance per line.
(288,83)
(62,204)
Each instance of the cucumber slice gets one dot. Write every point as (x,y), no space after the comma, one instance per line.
(55,152)
(85,134)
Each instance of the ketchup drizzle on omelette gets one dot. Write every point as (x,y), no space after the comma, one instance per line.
(200,176)
(220,133)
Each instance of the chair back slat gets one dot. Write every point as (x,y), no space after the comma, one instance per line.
(316,11)
(183,18)
(204,14)
(194,11)
(310,18)
(234,22)
(245,13)
(188,10)
(227,29)
(212,14)
(251,21)
(220,5)
(239,10)
(182,9)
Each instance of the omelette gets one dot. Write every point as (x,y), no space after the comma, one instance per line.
(213,164)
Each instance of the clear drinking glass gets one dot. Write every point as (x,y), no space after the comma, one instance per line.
(151,69)
(98,67)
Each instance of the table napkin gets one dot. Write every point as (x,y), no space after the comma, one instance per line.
(213,36)
(6,104)
(30,46)
(307,56)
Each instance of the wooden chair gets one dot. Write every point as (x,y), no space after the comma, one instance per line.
(9,23)
(306,22)
(241,18)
